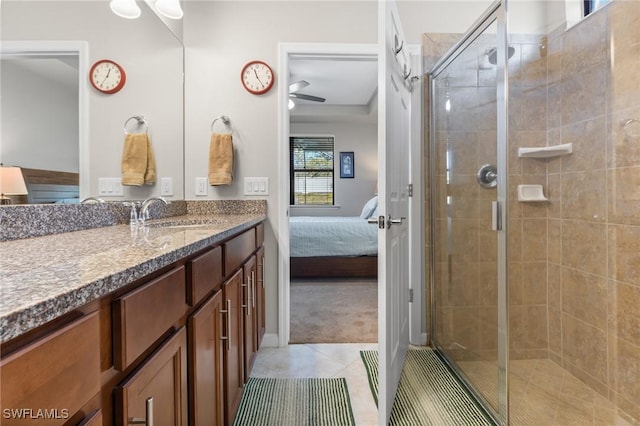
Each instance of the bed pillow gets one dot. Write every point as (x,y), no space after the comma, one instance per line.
(369,207)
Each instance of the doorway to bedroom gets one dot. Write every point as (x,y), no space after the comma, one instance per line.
(333,168)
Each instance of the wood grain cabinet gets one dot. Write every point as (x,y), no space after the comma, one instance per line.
(50,380)
(234,345)
(250,317)
(155,394)
(206,363)
(173,349)
(260,296)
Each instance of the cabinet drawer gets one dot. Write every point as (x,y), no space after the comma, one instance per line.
(145,314)
(237,250)
(45,375)
(205,274)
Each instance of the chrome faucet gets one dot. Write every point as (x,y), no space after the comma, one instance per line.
(92,200)
(144,209)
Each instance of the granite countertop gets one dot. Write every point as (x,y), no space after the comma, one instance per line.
(45,277)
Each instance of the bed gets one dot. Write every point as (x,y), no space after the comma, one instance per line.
(50,186)
(334,246)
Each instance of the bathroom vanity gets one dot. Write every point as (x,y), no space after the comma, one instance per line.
(117,325)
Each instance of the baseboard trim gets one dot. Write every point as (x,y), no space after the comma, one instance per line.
(269,340)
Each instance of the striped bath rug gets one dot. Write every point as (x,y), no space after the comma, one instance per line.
(295,402)
(428,393)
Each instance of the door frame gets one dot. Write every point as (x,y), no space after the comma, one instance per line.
(285,50)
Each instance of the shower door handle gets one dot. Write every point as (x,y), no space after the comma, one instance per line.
(496,216)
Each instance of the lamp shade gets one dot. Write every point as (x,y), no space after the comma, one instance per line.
(169,8)
(125,8)
(11,181)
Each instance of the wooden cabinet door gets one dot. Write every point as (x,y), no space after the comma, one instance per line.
(234,353)
(206,364)
(161,379)
(260,297)
(42,378)
(250,320)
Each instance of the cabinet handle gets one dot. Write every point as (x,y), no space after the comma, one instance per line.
(148,421)
(247,304)
(228,312)
(264,257)
(253,289)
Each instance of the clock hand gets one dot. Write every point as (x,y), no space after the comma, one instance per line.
(106,76)
(254,71)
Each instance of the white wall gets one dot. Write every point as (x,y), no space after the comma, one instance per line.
(220,37)
(350,194)
(39,119)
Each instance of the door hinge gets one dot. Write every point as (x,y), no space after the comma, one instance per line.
(410,190)
(410,295)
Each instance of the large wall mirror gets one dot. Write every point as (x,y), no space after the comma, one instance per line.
(51,117)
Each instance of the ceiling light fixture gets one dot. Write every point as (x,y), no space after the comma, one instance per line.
(169,8)
(125,8)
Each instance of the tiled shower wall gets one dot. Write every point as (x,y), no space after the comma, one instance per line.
(593,245)
(574,262)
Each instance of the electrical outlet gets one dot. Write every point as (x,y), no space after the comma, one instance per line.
(201,186)
(166,186)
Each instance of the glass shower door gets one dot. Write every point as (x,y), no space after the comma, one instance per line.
(464,192)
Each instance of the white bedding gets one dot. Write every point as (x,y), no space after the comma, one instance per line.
(332,236)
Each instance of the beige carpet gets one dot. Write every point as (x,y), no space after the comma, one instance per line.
(334,311)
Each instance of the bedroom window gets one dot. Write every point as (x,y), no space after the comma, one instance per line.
(311,170)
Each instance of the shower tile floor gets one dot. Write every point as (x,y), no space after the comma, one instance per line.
(543,393)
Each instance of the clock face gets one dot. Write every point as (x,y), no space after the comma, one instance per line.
(257,77)
(107,76)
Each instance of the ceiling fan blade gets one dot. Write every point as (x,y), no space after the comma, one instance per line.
(298,85)
(306,97)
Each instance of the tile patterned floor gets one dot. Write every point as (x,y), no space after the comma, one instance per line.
(543,393)
(324,360)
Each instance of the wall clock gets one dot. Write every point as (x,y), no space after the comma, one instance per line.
(257,77)
(107,76)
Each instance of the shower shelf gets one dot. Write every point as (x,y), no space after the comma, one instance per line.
(546,151)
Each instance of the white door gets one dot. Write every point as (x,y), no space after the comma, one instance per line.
(394,137)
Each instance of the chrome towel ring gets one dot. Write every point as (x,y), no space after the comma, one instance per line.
(225,120)
(141,121)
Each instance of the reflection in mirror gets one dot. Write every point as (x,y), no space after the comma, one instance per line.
(44,118)
(44,138)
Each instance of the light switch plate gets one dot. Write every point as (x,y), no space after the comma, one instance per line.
(201,186)
(110,187)
(256,186)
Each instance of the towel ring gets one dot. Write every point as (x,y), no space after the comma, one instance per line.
(140,119)
(628,123)
(225,120)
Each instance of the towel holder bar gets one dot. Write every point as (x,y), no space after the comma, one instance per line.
(141,121)
(225,120)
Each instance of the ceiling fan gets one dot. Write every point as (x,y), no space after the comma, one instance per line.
(293,93)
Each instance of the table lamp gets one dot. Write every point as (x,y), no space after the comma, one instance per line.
(11,183)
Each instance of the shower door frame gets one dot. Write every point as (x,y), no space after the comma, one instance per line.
(497,13)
